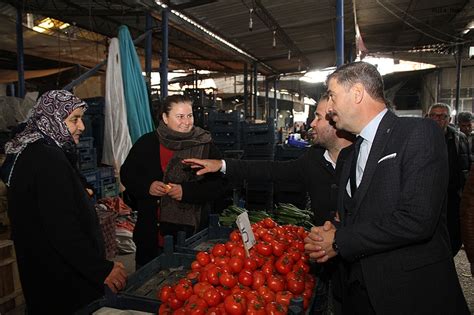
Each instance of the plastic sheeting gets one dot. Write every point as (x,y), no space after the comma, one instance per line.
(117,141)
(136,94)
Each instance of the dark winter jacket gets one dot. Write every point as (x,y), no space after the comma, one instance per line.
(58,242)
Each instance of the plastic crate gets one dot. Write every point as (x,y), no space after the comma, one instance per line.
(86,143)
(217,116)
(107,225)
(204,239)
(285,152)
(108,190)
(91,176)
(259,138)
(224,126)
(232,147)
(121,302)
(266,127)
(167,268)
(88,160)
(106,172)
(225,137)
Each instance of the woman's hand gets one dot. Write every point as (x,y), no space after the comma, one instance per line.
(176,191)
(117,278)
(159,189)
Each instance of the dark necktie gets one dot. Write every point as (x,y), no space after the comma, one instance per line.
(352,174)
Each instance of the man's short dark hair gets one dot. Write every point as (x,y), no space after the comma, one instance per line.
(363,73)
(464,117)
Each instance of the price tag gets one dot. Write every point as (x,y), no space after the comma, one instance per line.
(243,223)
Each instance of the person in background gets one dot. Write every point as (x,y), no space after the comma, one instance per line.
(168,196)
(459,165)
(55,229)
(465,126)
(392,238)
(467,219)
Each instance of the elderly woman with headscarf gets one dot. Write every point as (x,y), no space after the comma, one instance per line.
(58,242)
(168,195)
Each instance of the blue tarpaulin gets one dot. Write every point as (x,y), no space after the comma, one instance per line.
(135,90)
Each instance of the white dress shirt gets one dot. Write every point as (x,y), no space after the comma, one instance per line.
(368,133)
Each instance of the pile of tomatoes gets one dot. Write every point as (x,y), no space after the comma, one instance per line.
(224,280)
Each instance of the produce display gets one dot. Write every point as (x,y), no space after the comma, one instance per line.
(284,213)
(224,280)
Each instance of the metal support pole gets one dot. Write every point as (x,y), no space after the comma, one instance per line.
(266,109)
(148,50)
(339,33)
(255,91)
(275,101)
(458,80)
(246,95)
(19,50)
(164,53)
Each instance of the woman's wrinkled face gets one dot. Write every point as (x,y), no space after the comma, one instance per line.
(180,118)
(74,123)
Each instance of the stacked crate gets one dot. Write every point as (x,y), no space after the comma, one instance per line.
(289,192)
(94,122)
(258,144)
(225,130)
(10,288)
(258,141)
(87,154)
(102,179)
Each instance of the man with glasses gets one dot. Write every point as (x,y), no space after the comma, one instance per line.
(459,165)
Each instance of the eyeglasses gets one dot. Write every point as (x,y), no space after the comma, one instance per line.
(438,116)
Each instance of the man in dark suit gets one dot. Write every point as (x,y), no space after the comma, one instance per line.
(392,238)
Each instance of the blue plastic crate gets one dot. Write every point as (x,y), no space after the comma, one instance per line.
(106,172)
(86,143)
(205,239)
(217,116)
(167,268)
(108,190)
(91,176)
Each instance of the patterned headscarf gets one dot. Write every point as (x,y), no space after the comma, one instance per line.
(46,121)
(47,118)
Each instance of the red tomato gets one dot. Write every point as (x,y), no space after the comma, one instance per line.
(201,287)
(250,264)
(274,308)
(223,291)
(276,283)
(195,265)
(179,311)
(203,258)
(165,309)
(228,280)
(236,264)
(284,297)
(195,305)
(256,306)
(267,294)
(212,297)
(267,237)
(183,290)
(284,264)
(264,248)
(230,245)
(222,260)
(258,279)
(278,248)
(245,277)
(301,267)
(164,293)
(235,236)
(294,253)
(269,223)
(268,269)
(219,250)
(213,275)
(238,251)
(235,304)
(214,311)
(174,302)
